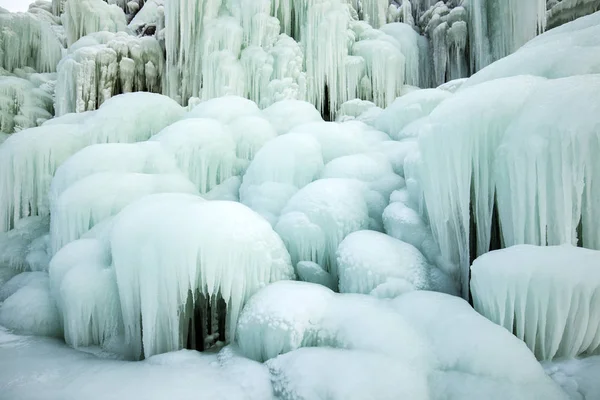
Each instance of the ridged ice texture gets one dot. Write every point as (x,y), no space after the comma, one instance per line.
(319,216)
(546,296)
(458,144)
(372,263)
(15,244)
(499,27)
(551,54)
(194,248)
(25,100)
(27,41)
(204,150)
(82,205)
(29,158)
(102,65)
(83,17)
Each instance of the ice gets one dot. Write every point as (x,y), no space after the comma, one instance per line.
(569,50)
(83,17)
(407,109)
(280,168)
(102,65)
(288,114)
(368,259)
(565,11)
(339,374)
(29,158)
(21,280)
(250,134)
(15,244)
(30,309)
(28,41)
(319,216)
(150,15)
(577,377)
(224,109)
(373,169)
(397,152)
(409,45)
(81,206)
(26,102)
(197,253)
(309,271)
(544,295)
(204,149)
(473,354)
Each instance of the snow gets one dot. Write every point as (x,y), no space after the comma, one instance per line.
(544,295)
(367,260)
(234,254)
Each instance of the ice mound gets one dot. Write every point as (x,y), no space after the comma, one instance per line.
(224,109)
(30,310)
(287,114)
(546,296)
(319,216)
(250,134)
(29,158)
(204,149)
(340,374)
(81,206)
(15,245)
(202,259)
(373,263)
(280,168)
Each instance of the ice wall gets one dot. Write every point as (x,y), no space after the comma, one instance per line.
(82,17)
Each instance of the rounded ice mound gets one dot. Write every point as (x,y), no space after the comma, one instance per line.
(319,216)
(19,281)
(369,262)
(31,309)
(201,259)
(287,114)
(339,374)
(397,152)
(224,109)
(15,244)
(312,272)
(250,133)
(374,169)
(473,354)
(281,318)
(546,296)
(144,157)
(126,118)
(409,108)
(204,149)
(92,199)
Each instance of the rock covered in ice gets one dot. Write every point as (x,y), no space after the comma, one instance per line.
(198,252)
(368,261)
(104,64)
(30,310)
(26,100)
(546,296)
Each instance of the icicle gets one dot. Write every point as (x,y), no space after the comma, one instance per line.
(82,17)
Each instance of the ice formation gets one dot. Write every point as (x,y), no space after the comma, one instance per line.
(563,11)
(320,215)
(363,268)
(15,244)
(187,299)
(29,158)
(28,41)
(204,149)
(102,65)
(83,17)
(26,99)
(546,296)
